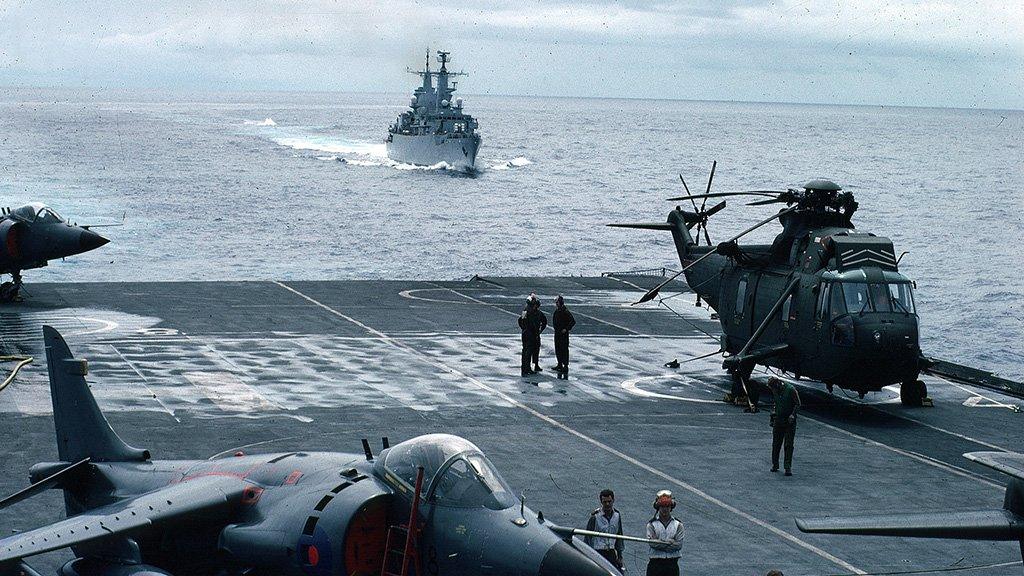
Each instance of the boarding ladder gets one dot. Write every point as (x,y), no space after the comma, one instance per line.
(410,532)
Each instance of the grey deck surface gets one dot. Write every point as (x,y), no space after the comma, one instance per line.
(192,369)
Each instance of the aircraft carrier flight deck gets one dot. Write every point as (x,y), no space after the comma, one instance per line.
(207,369)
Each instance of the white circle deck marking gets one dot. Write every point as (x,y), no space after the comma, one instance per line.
(105,326)
(632,386)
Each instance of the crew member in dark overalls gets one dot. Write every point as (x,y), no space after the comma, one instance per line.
(563,321)
(532,322)
(783,420)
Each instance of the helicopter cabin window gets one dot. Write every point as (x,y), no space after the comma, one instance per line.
(741,296)
(901,297)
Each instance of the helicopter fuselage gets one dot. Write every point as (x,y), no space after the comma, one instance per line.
(826,303)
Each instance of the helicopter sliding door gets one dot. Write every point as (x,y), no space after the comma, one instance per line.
(737,294)
(768,290)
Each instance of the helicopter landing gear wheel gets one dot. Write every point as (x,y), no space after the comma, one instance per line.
(913,393)
(861,395)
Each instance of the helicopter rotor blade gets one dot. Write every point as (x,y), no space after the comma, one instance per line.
(714,209)
(765,202)
(724,194)
(687,188)
(714,164)
(705,214)
(653,292)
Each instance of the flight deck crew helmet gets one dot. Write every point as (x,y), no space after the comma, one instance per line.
(664,498)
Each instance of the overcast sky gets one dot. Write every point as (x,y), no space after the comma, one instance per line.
(902,52)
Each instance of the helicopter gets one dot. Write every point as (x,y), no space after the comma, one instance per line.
(823,301)
(34,234)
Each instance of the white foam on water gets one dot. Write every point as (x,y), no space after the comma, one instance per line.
(350,152)
(438,166)
(333,145)
(264,122)
(517,162)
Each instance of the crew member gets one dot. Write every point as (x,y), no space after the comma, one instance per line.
(564,322)
(668,531)
(606,519)
(532,322)
(783,418)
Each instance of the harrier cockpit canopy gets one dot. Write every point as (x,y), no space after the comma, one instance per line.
(455,472)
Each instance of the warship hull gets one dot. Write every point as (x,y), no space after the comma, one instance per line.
(430,149)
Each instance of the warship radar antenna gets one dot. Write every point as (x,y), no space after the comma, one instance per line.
(443,58)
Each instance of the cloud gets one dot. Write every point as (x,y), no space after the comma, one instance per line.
(552,46)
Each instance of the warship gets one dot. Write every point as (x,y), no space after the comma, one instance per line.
(435,129)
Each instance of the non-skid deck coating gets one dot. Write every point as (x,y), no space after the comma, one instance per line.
(189,370)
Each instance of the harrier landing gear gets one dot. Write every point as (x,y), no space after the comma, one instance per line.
(9,290)
(914,393)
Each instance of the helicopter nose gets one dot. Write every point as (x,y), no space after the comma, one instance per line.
(564,560)
(89,240)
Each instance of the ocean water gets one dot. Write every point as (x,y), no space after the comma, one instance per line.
(297,186)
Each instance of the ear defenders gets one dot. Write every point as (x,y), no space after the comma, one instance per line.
(664,498)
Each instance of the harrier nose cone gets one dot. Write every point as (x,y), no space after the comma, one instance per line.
(90,240)
(564,560)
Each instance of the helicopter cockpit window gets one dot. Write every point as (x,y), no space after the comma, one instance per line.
(880,297)
(902,297)
(857,299)
(837,305)
(471,481)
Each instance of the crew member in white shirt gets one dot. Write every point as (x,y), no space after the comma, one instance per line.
(608,520)
(668,531)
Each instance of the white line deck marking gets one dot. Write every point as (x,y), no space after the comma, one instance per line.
(500,309)
(512,401)
(145,382)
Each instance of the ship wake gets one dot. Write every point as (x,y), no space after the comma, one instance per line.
(352,152)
